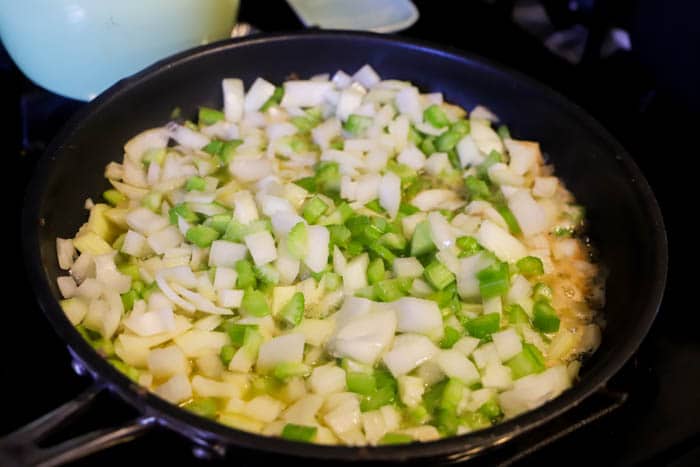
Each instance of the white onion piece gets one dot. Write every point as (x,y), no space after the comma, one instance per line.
(114,171)
(208,209)
(367,188)
(245,210)
(195,343)
(153,174)
(348,188)
(129,190)
(507,343)
(223,130)
(200,302)
(113,314)
(225,253)
(182,275)
(270,205)
(485,138)
(145,221)
(456,365)
(419,316)
(441,231)
(172,296)
(177,389)
(469,154)
(411,389)
(229,298)
(531,217)
(373,426)
(325,132)
(437,164)
(164,239)
(497,376)
(317,255)
(399,129)
(187,137)
(75,310)
(366,76)
(408,103)
(262,247)
(466,345)
(67,286)
(364,337)
(359,145)
(316,331)
(520,289)
(407,267)
(492,305)
(208,323)
(390,193)
(156,138)
(233,98)
(485,355)
(65,252)
(287,348)
(304,410)
(412,157)
(524,155)
(249,169)
(349,162)
(352,307)
(205,387)
(151,322)
(534,390)
(90,289)
(106,272)
(408,351)
(304,93)
(339,261)
(341,80)
(482,113)
(344,420)
(286,264)
(225,278)
(477,398)
(199,197)
(485,209)
(83,267)
(355,273)
(467,283)
(280,130)
(350,100)
(430,200)
(251,119)
(503,244)
(327,379)
(260,91)
(429,129)
(545,187)
(409,223)
(449,259)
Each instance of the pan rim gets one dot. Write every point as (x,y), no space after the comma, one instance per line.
(200,428)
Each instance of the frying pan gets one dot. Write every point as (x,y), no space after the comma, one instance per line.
(625,223)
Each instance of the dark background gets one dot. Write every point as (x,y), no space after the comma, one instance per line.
(648,98)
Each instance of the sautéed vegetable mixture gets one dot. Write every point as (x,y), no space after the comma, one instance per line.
(339,260)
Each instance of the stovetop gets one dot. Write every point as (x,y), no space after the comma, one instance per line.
(659,422)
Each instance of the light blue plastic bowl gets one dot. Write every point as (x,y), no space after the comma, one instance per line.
(78,48)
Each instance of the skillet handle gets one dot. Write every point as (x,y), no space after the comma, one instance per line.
(22,448)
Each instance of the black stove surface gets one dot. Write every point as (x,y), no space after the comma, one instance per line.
(659,422)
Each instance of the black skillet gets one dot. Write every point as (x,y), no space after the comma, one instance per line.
(625,223)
